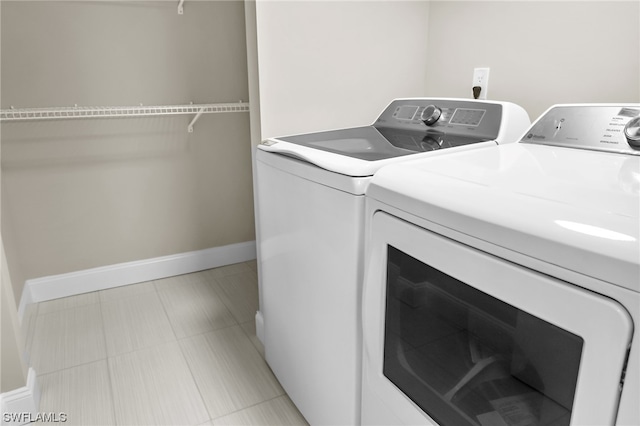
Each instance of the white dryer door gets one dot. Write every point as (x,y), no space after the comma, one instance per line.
(455,336)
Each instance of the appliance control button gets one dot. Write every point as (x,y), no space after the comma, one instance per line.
(430,115)
(632,132)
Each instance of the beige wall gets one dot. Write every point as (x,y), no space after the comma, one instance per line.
(336,64)
(332,64)
(85,193)
(13,371)
(540,53)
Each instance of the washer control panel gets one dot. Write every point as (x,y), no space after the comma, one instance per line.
(458,117)
(611,128)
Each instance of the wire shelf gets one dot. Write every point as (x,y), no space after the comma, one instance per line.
(24,114)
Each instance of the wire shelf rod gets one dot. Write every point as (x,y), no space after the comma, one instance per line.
(56,113)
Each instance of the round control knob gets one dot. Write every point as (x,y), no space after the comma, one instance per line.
(632,132)
(430,115)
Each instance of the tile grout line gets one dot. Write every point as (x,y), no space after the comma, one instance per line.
(164,309)
(211,418)
(251,406)
(62,335)
(220,299)
(115,355)
(184,357)
(61,370)
(215,285)
(122,299)
(38,314)
(177,339)
(195,382)
(208,331)
(217,289)
(31,332)
(252,344)
(106,350)
(220,287)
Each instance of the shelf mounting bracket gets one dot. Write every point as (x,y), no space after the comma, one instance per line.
(180,8)
(190,127)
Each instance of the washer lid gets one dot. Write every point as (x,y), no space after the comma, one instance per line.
(360,151)
(372,143)
(577,209)
(406,127)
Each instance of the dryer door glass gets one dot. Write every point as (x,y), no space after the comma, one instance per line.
(467,358)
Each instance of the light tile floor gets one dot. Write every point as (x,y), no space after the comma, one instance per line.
(177,351)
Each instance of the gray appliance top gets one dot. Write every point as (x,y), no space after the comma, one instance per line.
(409,126)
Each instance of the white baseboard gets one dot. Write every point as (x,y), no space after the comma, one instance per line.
(16,403)
(260,326)
(73,283)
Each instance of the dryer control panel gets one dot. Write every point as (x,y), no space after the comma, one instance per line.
(604,127)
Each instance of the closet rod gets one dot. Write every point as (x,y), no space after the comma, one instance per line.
(24,114)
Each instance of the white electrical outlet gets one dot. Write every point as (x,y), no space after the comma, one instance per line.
(481,80)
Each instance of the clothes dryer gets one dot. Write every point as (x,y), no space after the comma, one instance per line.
(310,224)
(502,286)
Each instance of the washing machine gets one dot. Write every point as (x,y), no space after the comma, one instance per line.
(310,225)
(502,285)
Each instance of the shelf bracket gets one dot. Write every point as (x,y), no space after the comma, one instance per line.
(190,127)
(180,8)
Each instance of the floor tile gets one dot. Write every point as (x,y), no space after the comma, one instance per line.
(194,307)
(225,271)
(240,293)
(68,302)
(82,393)
(215,371)
(28,328)
(229,372)
(134,323)
(68,338)
(249,328)
(170,282)
(278,411)
(125,291)
(252,264)
(154,386)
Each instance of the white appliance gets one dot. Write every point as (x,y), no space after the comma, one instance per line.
(502,285)
(310,224)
